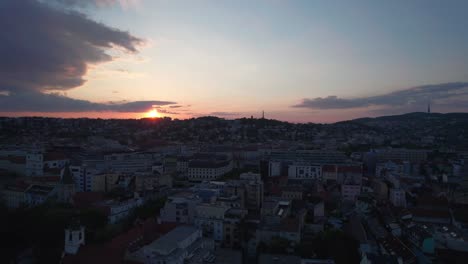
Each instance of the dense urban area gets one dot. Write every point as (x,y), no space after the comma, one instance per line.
(390,189)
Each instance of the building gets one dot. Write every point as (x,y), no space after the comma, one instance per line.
(184,244)
(330,172)
(254,190)
(34,164)
(292,192)
(182,164)
(118,210)
(14,195)
(146,181)
(13,163)
(128,162)
(288,228)
(304,171)
(210,219)
(83,177)
(412,155)
(105,182)
(38,194)
(74,239)
(350,192)
(180,208)
(280,259)
(349,174)
(397,197)
(274,168)
(421,238)
(233,231)
(55,160)
(66,188)
(201,170)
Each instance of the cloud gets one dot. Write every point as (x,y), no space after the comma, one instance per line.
(224,113)
(125,4)
(165,111)
(411,99)
(45,48)
(54,102)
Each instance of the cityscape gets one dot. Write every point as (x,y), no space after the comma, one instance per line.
(212,132)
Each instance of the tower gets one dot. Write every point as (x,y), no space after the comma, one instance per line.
(428,108)
(263,114)
(66,187)
(74,238)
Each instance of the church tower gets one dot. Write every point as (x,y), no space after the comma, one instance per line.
(66,188)
(74,238)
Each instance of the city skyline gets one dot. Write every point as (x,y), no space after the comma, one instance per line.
(301,61)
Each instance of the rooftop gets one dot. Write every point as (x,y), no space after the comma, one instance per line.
(169,242)
(278,259)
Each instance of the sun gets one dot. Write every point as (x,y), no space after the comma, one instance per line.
(153,113)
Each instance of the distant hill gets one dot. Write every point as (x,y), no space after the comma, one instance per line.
(415,116)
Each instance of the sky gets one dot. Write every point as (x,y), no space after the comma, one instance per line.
(299,61)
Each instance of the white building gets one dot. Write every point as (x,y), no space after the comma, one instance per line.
(83,177)
(34,164)
(200,170)
(304,171)
(182,245)
(74,238)
(274,168)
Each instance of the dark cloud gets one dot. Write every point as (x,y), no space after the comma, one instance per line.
(165,111)
(45,48)
(411,99)
(32,101)
(175,106)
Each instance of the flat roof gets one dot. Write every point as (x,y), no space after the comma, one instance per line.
(169,242)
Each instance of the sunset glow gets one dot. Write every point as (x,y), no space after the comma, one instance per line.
(153,113)
(299,61)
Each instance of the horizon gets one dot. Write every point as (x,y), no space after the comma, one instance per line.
(232,119)
(301,61)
